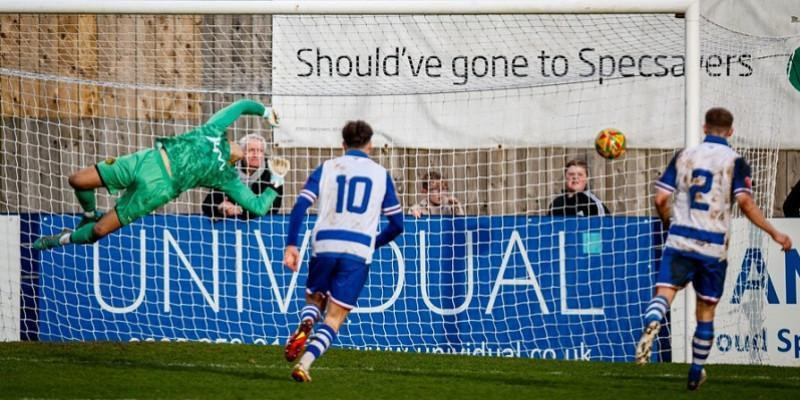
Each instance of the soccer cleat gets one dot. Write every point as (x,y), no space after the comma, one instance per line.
(645,346)
(299,374)
(695,381)
(49,242)
(297,342)
(88,220)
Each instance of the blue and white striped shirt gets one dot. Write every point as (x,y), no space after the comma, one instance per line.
(705,179)
(351,192)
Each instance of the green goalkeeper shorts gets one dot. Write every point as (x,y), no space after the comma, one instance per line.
(145,180)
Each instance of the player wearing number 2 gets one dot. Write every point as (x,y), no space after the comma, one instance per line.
(705,179)
(351,192)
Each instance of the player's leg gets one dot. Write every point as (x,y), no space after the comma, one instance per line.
(320,270)
(708,284)
(309,315)
(675,271)
(114,174)
(320,341)
(94,231)
(345,285)
(84,182)
(88,233)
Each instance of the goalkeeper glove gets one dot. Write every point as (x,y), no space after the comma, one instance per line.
(278,168)
(272,117)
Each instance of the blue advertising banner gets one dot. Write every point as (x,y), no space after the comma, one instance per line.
(541,287)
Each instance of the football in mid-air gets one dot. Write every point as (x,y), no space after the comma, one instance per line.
(610,143)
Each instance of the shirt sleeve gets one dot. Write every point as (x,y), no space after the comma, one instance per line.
(296,220)
(211,204)
(742,183)
(222,119)
(310,191)
(557,207)
(391,205)
(668,179)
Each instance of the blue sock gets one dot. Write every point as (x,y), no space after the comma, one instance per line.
(701,346)
(317,345)
(656,310)
(311,312)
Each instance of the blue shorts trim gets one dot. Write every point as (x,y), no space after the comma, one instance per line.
(347,236)
(707,274)
(699,234)
(341,278)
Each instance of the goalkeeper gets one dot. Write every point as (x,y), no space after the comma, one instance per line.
(153,177)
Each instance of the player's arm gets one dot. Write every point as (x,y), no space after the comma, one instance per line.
(665,186)
(228,115)
(243,196)
(307,197)
(661,201)
(742,190)
(751,211)
(394,211)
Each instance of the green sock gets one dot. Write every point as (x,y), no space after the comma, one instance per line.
(86,199)
(83,235)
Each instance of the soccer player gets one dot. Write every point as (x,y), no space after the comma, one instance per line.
(153,177)
(351,192)
(705,179)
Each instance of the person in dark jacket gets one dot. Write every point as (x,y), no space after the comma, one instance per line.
(791,207)
(254,172)
(577,200)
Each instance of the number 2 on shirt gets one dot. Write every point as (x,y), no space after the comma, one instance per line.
(708,178)
(348,199)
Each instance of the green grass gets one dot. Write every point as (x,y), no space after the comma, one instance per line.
(197,370)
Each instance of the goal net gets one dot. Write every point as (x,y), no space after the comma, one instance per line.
(476,117)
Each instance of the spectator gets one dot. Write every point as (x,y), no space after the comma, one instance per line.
(577,200)
(437,201)
(791,207)
(254,173)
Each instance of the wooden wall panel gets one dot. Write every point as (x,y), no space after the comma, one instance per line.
(30,89)
(9,58)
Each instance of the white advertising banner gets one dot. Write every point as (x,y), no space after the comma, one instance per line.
(521,80)
(9,278)
(759,307)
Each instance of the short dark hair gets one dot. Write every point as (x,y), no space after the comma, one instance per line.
(356,134)
(431,176)
(578,163)
(719,119)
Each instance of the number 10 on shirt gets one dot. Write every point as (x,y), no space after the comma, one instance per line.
(352,195)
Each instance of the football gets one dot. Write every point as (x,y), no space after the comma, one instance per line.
(610,143)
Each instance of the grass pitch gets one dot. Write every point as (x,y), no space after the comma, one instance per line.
(222,371)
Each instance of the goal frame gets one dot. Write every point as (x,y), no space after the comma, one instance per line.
(688,9)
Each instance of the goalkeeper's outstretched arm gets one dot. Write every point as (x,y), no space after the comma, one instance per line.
(243,196)
(228,115)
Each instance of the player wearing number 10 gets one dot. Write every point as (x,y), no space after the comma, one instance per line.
(351,192)
(705,179)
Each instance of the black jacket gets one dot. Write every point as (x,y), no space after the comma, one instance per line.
(215,198)
(582,204)
(791,207)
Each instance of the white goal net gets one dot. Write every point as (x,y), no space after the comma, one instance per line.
(476,118)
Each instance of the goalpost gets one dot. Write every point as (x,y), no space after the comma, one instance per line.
(495,96)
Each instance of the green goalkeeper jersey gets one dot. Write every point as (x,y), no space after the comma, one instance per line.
(199,158)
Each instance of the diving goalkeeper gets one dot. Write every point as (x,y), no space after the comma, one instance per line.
(202,157)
